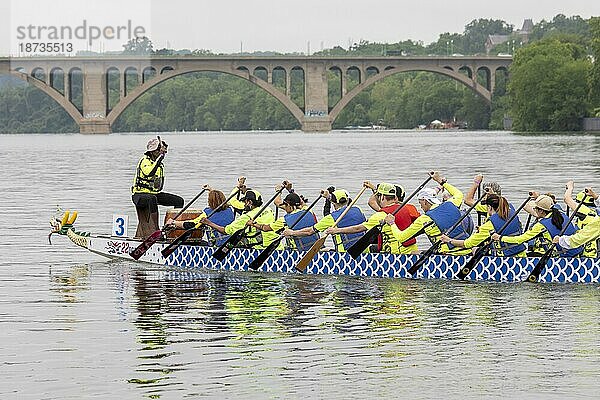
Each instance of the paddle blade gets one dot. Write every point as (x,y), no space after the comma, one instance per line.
(234,239)
(301,266)
(534,276)
(145,245)
(166,252)
(361,244)
(430,251)
(262,257)
(473,261)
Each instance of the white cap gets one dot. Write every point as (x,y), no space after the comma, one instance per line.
(152,145)
(429,194)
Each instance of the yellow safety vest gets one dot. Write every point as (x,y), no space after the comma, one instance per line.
(143,181)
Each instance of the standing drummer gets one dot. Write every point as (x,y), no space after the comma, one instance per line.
(147,188)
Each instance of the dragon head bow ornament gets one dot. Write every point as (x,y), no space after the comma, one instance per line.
(61,225)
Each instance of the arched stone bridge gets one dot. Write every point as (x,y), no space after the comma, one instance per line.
(95,109)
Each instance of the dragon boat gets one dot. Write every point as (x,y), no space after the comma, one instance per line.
(382,265)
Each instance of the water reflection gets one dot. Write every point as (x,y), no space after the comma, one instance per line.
(71,283)
(237,328)
(155,333)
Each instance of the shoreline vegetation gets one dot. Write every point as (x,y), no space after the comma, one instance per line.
(553,84)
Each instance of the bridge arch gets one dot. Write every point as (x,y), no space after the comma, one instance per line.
(466,71)
(39,73)
(484,73)
(261,73)
(112,75)
(354,70)
(130,80)
(371,71)
(168,74)
(51,92)
(279,78)
(148,74)
(477,88)
(57,75)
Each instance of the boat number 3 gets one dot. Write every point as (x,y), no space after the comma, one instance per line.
(120,223)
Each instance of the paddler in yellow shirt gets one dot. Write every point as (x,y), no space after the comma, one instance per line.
(253,238)
(438,217)
(387,198)
(587,221)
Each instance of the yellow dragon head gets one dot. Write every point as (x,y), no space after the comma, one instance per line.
(62,225)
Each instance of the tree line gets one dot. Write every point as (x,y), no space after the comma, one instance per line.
(553,84)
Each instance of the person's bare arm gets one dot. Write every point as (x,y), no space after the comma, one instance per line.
(572,204)
(470,196)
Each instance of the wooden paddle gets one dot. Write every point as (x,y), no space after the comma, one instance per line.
(434,247)
(146,244)
(482,250)
(166,252)
(301,266)
(361,244)
(541,264)
(262,257)
(223,250)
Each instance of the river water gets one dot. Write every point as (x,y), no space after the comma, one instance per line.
(74,325)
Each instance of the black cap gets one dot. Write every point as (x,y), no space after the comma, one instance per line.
(252,195)
(292,199)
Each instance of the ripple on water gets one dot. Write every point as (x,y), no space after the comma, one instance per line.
(75,326)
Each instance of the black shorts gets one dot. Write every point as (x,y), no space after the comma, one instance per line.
(152,201)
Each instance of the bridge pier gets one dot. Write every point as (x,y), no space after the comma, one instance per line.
(316,116)
(94,100)
(95,125)
(320,124)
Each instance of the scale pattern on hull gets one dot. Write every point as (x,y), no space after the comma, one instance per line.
(496,269)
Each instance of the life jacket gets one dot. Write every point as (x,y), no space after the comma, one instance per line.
(467,223)
(553,231)
(143,183)
(222,218)
(309,219)
(403,220)
(354,216)
(513,229)
(254,238)
(445,216)
(590,249)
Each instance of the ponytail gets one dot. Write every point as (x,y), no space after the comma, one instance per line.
(503,209)
(557,218)
(499,204)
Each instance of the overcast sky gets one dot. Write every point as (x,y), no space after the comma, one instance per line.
(285,26)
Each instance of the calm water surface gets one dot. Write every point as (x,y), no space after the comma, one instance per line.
(73,325)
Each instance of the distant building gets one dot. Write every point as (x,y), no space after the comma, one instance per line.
(523,35)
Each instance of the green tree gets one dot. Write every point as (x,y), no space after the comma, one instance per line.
(474,111)
(149,123)
(138,46)
(477,32)
(561,24)
(595,70)
(548,87)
